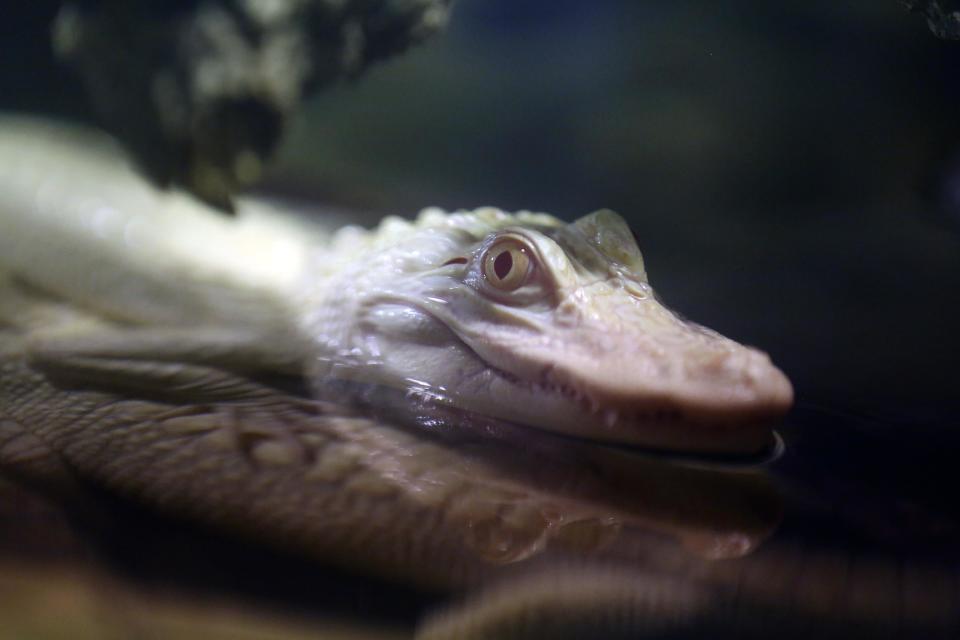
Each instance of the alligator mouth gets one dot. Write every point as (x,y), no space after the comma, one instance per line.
(766,447)
(662,429)
(655,433)
(441,418)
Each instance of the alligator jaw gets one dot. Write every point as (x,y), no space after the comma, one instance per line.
(731,411)
(644,378)
(708,424)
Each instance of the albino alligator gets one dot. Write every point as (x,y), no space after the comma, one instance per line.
(453,402)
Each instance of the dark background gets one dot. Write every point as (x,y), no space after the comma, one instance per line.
(792,169)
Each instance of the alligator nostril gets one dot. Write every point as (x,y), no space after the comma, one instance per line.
(716,362)
(714,365)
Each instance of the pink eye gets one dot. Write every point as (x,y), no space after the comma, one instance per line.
(506,265)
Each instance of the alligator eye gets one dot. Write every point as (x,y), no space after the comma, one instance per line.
(506,265)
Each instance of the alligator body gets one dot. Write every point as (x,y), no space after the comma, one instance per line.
(458,402)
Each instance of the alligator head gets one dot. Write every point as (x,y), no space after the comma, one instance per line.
(527,319)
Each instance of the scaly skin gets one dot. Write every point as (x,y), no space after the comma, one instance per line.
(573,340)
(399,401)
